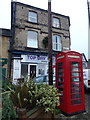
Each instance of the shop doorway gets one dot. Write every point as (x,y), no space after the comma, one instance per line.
(32,70)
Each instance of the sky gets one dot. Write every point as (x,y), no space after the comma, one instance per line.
(75,9)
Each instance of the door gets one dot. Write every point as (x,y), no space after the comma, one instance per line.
(32,70)
(76,97)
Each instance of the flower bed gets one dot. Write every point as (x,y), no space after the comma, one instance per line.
(28,96)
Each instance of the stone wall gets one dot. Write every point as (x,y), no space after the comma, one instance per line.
(23,25)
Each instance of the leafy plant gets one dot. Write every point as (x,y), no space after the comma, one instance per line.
(29,95)
(49,97)
(8,111)
(45,41)
(20,96)
(24,95)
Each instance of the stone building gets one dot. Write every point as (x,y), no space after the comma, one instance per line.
(5,35)
(29,39)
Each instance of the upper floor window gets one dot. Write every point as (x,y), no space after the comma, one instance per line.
(56,22)
(57,44)
(32,16)
(32,39)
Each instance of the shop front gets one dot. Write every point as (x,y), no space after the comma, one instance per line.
(35,65)
(30,66)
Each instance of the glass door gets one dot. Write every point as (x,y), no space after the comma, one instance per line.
(32,70)
(75,83)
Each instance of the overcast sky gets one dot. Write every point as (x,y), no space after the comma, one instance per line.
(75,9)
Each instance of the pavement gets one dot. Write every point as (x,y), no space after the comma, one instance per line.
(81,116)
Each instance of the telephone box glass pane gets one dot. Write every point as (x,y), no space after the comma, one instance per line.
(60,64)
(60,79)
(60,84)
(60,74)
(75,79)
(75,84)
(60,89)
(75,102)
(75,74)
(60,69)
(74,69)
(78,90)
(76,64)
(76,96)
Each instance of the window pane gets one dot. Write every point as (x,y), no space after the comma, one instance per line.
(60,79)
(76,84)
(32,35)
(24,70)
(32,17)
(75,69)
(59,47)
(54,46)
(75,74)
(78,90)
(60,74)
(54,38)
(75,96)
(32,43)
(32,39)
(75,64)
(58,39)
(75,102)
(56,22)
(75,79)
(57,43)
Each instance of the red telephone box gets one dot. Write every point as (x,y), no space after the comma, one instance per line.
(69,81)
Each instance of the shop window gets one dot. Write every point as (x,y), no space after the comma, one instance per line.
(32,39)
(32,17)
(56,22)
(24,70)
(57,45)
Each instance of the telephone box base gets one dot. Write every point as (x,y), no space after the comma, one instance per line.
(71,114)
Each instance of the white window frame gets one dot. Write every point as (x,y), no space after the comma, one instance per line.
(56,22)
(30,41)
(32,18)
(57,43)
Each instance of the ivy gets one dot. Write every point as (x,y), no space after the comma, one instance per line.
(45,41)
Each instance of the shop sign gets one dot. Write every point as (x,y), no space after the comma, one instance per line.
(35,59)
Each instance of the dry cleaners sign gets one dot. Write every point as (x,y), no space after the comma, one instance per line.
(34,58)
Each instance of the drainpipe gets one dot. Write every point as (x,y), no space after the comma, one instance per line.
(12,39)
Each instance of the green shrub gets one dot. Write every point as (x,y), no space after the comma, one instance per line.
(30,95)
(48,97)
(8,112)
(24,95)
